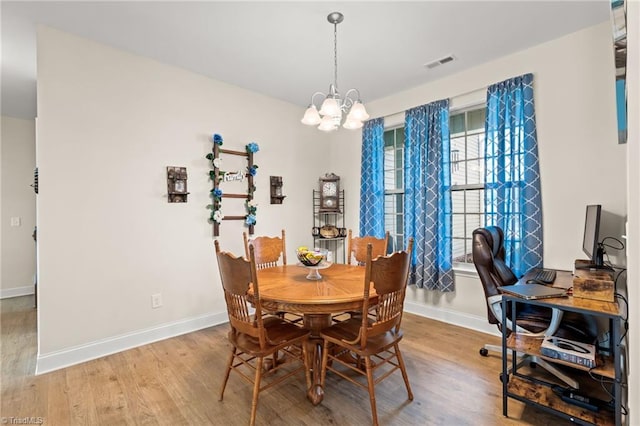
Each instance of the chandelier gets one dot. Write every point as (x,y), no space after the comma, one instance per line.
(329,117)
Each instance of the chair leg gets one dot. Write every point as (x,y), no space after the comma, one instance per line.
(493,348)
(226,376)
(256,391)
(556,372)
(404,372)
(372,390)
(541,362)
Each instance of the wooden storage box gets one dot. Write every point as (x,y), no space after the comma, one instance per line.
(593,284)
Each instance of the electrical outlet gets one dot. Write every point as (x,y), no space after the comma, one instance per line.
(16,221)
(156,300)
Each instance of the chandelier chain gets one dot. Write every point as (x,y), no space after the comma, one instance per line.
(335,55)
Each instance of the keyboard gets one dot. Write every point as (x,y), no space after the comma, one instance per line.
(547,276)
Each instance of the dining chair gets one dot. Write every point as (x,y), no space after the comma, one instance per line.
(357,250)
(373,338)
(254,337)
(268,250)
(357,247)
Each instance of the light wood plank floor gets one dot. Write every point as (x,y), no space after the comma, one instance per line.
(177,381)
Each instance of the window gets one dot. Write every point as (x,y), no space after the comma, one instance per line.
(467,179)
(394,185)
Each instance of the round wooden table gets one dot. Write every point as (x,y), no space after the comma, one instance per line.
(286,289)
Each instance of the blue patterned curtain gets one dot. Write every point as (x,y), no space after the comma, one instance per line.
(512,194)
(427,199)
(372,179)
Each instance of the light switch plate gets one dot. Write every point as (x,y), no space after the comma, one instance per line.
(15,221)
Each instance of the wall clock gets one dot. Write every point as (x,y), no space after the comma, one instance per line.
(329,193)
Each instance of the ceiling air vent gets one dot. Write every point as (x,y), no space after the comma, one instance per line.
(439,62)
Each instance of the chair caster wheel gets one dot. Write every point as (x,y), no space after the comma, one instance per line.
(484,352)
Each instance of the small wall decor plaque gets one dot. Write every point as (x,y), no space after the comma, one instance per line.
(177,184)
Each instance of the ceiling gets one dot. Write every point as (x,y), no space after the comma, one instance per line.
(285,49)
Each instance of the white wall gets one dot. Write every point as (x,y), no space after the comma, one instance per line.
(18,252)
(109,123)
(633,196)
(580,160)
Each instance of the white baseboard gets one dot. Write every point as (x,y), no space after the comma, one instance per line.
(6,293)
(472,322)
(64,358)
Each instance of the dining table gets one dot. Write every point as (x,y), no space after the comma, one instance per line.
(339,289)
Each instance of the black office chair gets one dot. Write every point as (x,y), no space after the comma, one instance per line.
(488,258)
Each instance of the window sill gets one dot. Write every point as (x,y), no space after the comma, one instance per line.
(465,269)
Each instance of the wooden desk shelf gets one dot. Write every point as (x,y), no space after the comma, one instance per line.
(531,346)
(543,397)
(532,388)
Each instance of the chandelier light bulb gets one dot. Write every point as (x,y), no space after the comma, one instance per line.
(359,112)
(327,124)
(329,107)
(352,124)
(311,116)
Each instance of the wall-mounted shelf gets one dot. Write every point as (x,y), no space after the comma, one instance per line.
(275,183)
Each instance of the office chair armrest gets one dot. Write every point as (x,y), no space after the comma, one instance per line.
(495,302)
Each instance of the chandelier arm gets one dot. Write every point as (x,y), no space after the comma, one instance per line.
(316,94)
(349,100)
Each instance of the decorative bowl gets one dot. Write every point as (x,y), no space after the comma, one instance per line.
(329,231)
(310,257)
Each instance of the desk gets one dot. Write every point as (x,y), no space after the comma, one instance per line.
(285,289)
(518,386)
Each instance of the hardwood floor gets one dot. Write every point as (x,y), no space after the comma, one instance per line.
(177,382)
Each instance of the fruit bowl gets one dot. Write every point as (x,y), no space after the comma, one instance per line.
(310,257)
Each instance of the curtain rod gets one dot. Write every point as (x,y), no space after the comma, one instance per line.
(459,95)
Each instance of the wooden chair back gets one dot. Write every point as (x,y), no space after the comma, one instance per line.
(357,247)
(238,276)
(268,250)
(389,276)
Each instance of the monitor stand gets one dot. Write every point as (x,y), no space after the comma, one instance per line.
(597,264)
(593,266)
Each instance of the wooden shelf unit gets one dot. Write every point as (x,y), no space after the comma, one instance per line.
(534,391)
(336,219)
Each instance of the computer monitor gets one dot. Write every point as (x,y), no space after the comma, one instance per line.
(591,238)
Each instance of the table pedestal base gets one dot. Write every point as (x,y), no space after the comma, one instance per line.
(315,323)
